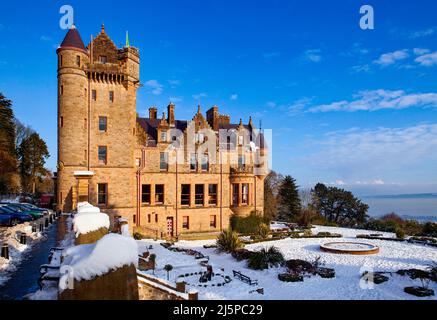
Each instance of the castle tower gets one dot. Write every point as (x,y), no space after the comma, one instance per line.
(72,115)
(97,123)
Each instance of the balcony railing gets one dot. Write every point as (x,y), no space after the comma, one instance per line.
(242,169)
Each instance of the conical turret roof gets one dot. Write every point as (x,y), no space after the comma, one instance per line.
(73,40)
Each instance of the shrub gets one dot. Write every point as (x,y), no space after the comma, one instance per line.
(263,230)
(297,265)
(307,233)
(326,273)
(241,254)
(400,233)
(290,277)
(265,259)
(248,225)
(138,236)
(429,229)
(228,241)
(433,271)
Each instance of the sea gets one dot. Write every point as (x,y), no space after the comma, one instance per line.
(421,207)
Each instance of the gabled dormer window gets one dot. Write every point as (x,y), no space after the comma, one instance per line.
(163,136)
(200,137)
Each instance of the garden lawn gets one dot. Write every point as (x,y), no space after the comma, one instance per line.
(346,284)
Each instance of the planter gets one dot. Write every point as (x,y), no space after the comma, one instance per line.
(289,277)
(326,273)
(419,291)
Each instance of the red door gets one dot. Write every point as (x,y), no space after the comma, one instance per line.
(170,226)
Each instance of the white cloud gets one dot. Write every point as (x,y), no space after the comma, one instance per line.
(271,104)
(420,51)
(175,99)
(45,38)
(154,87)
(233,97)
(380,99)
(200,96)
(313,55)
(339,182)
(299,105)
(358,154)
(174,83)
(427,60)
(423,33)
(360,68)
(390,58)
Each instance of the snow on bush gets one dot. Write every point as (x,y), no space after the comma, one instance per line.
(87,261)
(85,222)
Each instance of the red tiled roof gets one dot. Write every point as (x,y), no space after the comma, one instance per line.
(73,40)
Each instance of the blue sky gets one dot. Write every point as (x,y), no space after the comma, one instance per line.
(350,107)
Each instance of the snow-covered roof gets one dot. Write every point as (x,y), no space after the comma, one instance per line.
(87,261)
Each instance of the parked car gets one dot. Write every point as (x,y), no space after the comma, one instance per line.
(15,217)
(28,206)
(5,220)
(15,208)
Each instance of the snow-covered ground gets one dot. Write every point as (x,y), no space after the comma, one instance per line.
(16,250)
(346,284)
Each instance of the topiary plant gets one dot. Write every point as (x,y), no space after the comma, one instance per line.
(228,241)
(168,268)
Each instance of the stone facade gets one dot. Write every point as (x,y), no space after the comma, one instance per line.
(112,158)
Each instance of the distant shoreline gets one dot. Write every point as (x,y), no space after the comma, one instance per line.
(421,207)
(403,196)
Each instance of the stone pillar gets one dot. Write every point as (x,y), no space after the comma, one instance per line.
(180,286)
(193,295)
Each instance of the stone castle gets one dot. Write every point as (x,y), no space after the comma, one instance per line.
(166,177)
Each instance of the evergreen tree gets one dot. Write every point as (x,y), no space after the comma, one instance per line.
(290,204)
(33,154)
(8,159)
(339,206)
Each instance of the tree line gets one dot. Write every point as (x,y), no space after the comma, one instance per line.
(322,204)
(23,155)
(331,206)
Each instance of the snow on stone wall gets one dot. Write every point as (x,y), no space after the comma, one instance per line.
(88,219)
(87,261)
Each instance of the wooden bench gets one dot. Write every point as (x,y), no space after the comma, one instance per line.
(244,278)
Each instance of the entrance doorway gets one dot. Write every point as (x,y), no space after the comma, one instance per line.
(170,226)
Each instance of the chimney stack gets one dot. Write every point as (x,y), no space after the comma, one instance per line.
(212,116)
(170,114)
(153,113)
